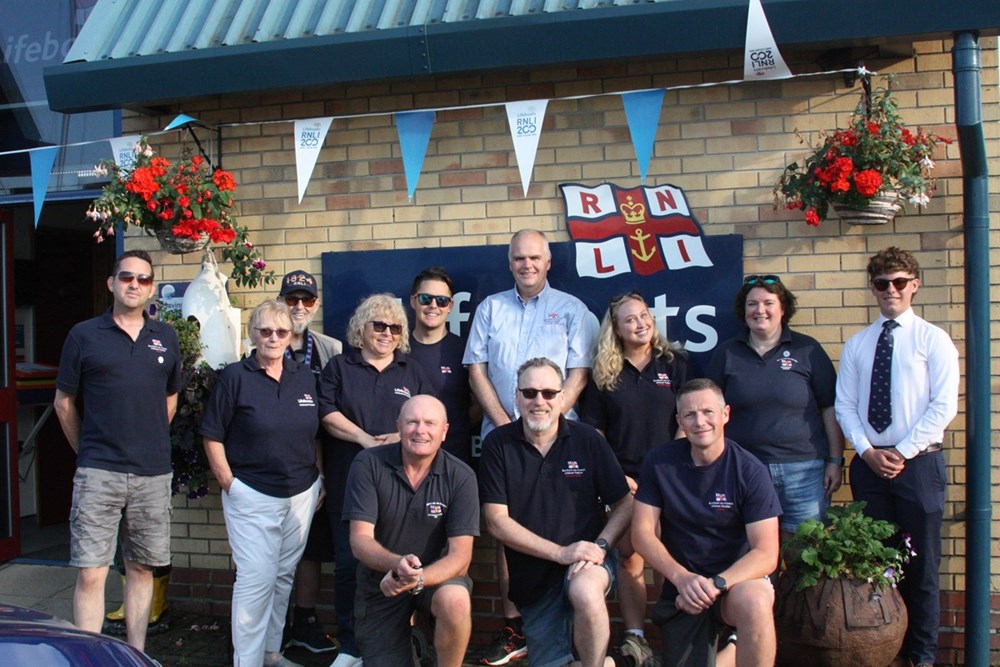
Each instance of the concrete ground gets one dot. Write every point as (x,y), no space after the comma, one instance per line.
(187,640)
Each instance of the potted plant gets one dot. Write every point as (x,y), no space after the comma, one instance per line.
(865,170)
(837,603)
(186,204)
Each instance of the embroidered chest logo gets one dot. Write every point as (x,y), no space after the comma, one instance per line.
(721,502)
(663,380)
(402,391)
(553,319)
(573,469)
(435,510)
(446,370)
(306,401)
(156,346)
(787,362)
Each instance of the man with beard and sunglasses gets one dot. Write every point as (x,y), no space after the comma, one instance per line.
(299,292)
(127,369)
(544,482)
(896,393)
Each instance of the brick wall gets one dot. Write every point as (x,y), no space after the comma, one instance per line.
(724,145)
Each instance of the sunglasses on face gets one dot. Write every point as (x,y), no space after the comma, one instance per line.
(425,299)
(547,394)
(127,277)
(307,301)
(380,327)
(266,332)
(882,284)
(766,279)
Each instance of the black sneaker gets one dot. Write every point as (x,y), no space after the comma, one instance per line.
(508,646)
(310,636)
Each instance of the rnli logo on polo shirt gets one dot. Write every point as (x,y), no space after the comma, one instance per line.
(573,469)
(786,362)
(721,502)
(402,391)
(436,510)
(307,401)
(663,380)
(446,370)
(156,346)
(553,319)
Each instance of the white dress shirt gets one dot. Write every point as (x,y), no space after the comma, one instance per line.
(925,378)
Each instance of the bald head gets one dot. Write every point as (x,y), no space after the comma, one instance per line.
(423,425)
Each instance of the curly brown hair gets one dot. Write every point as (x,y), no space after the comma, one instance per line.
(777,288)
(890,260)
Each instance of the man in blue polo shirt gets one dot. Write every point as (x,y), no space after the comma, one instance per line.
(544,483)
(706,518)
(127,369)
(414,511)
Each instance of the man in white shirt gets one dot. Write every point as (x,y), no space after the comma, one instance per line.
(896,392)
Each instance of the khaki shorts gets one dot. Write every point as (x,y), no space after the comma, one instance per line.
(101,500)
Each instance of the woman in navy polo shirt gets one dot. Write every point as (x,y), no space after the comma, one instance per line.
(361,393)
(259,430)
(780,387)
(630,399)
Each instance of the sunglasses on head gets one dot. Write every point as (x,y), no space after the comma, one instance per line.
(425,299)
(307,301)
(761,279)
(380,327)
(127,277)
(266,332)
(547,394)
(882,284)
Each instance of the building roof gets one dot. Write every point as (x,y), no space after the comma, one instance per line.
(136,54)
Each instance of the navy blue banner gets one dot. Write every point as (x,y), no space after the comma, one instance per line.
(692,306)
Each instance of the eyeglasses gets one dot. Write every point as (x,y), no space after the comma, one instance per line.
(882,284)
(266,332)
(127,277)
(765,279)
(425,299)
(380,327)
(307,301)
(547,394)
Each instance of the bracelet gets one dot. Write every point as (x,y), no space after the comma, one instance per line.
(416,590)
(835,460)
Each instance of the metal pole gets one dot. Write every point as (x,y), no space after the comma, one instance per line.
(967,69)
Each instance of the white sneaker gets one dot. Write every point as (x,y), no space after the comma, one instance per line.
(347,660)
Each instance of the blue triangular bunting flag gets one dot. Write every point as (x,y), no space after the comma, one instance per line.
(42,160)
(642,110)
(414,129)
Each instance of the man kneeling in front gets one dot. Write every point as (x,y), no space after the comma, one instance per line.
(717,512)
(414,511)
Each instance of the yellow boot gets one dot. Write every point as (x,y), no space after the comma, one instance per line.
(118,615)
(161,581)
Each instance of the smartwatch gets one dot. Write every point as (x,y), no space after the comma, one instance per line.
(603,543)
(720,583)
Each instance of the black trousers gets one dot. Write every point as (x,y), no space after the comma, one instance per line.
(914,501)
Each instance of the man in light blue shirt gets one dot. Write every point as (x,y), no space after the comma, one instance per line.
(531,320)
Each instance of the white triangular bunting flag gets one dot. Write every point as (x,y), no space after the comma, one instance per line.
(309,136)
(525,119)
(761,59)
(123,150)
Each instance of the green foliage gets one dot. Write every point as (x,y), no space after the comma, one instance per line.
(851,545)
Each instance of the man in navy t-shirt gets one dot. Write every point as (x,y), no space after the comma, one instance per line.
(717,513)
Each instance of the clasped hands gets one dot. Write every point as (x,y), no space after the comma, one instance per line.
(403,577)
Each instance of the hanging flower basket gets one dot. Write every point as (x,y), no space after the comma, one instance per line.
(882,208)
(177,245)
(187,204)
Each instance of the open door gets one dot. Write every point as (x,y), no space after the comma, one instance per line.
(10,528)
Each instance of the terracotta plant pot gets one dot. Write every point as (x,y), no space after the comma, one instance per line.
(881,209)
(838,623)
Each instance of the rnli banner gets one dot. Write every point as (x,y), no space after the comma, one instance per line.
(692,305)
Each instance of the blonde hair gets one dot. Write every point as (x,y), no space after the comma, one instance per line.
(273,307)
(372,308)
(610,357)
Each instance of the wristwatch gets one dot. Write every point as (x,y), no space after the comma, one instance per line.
(603,543)
(720,583)
(835,460)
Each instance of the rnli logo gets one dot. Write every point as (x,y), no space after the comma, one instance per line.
(663,380)
(573,469)
(402,391)
(641,230)
(435,510)
(721,502)
(307,401)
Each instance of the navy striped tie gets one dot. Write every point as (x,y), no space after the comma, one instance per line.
(880,394)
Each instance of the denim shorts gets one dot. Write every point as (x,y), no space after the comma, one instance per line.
(800,491)
(101,498)
(548,622)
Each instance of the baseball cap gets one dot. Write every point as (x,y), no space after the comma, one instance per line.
(298,281)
